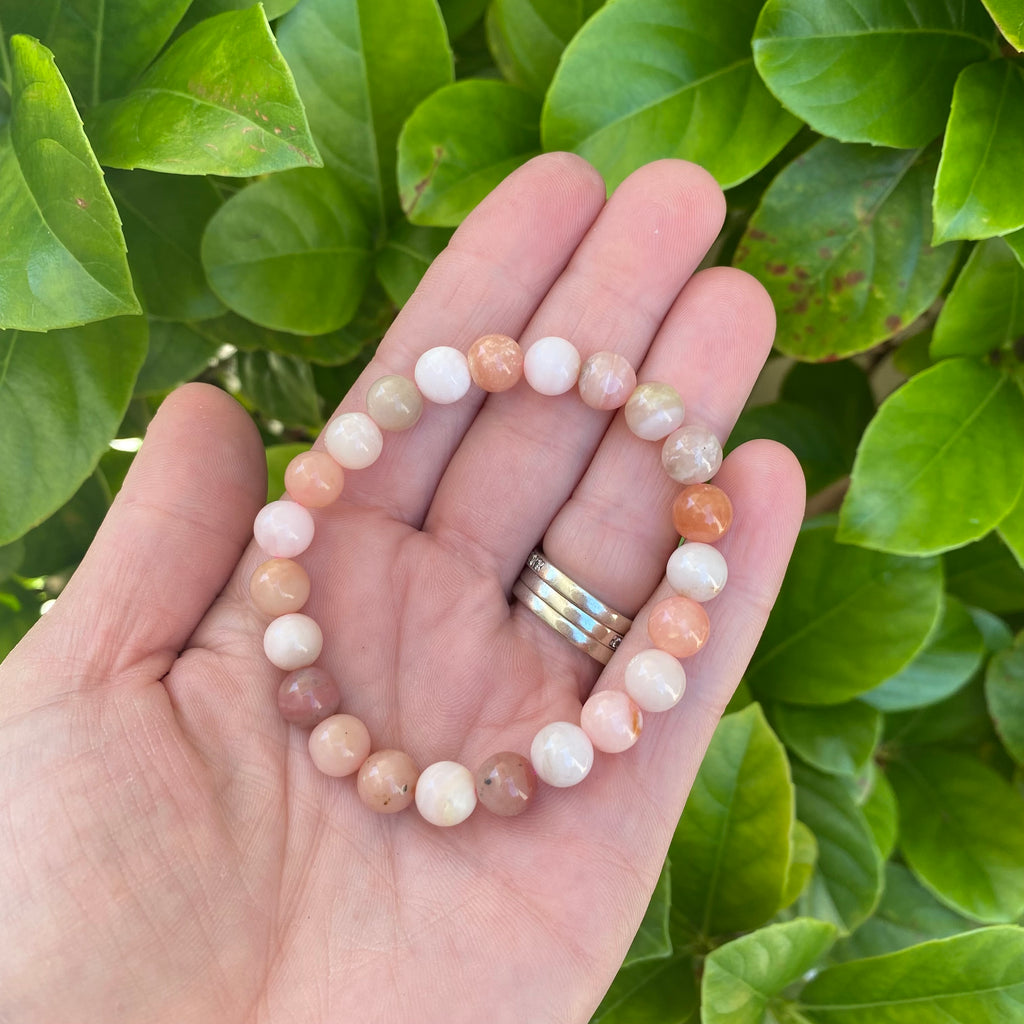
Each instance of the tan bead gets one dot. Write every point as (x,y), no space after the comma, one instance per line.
(314,479)
(506,783)
(339,745)
(679,626)
(606,380)
(279,586)
(691,454)
(394,402)
(702,512)
(654,410)
(495,362)
(387,781)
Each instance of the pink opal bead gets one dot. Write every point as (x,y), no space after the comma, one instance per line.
(386,782)
(655,680)
(552,366)
(314,479)
(678,625)
(697,571)
(606,380)
(339,745)
(562,754)
(354,440)
(495,362)
(394,403)
(292,641)
(442,375)
(506,783)
(612,721)
(691,454)
(654,410)
(279,586)
(283,529)
(307,696)
(445,793)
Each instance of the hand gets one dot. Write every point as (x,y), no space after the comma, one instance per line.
(168,852)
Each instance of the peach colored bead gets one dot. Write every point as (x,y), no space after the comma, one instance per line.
(506,783)
(307,696)
(279,586)
(612,721)
(387,781)
(394,402)
(606,380)
(339,745)
(495,362)
(654,410)
(702,512)
(678,625)
(314,479)
(691,454)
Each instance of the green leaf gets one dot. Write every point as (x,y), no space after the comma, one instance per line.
(966,979)
(61,398)
(290,252)
(282,388)
(461,15)
(813,56)
(278,457)
(405,257)
(1008,16)
(653,941)
(1011,530)
(645,79)
(995,633)
(201,9)
(914,488)
(882,815)
(837,740)
(653,992)
(19,612)
(961,720)
(847,879)
(845,620)
(459,143)
(841,242)
(11,556)
(985,309)
(362,66)
(977,189)
(1004,692)
(63,253)
(1016,242)
(911,357)
(961,832)
(220,100)
(803,857)
(742,977)
(177,353)
(987,575)
(952,655)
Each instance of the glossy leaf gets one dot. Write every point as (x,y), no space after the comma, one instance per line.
(653,992)
(405,257)
(961,720)
(290,252)
(177,353)
(914,488)
(977,189)
(846,619)
(733,837)
(987,575)
(803,857)
(1008,16)
(63,257)
(837,740)
(77,383)
(210,8)
(461,15)
(882,815)
(362,67)
(653,941)
(1011,530)
(995,633)
(1004,693)
(841,240)
(220,100)
(692,90)
(461,142)
(281,388)
(814,57)
(944,796)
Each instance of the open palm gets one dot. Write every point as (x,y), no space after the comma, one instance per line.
(167,849)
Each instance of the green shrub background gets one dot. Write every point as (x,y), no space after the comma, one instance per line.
(271,193)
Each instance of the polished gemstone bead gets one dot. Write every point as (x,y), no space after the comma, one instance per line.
(691,454)
(495,362)
(654,410)
(394,402)
(339,745)
(314,479)
(307,696)
(387,781)
(655,680)
(612,721)
(562,754)
(283,529)
(279,586)
(354,440)
(697,571)
(552,366)
(506,783)
(702,512)
(442,374)
(678,625)
(445,793)
(293,641)
(606,380)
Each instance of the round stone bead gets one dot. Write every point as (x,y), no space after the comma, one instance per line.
(552,366)
(562,754)
(354,440)
(495,362)
(442,374)
(654,410)
(445,793)
(394,402)
(506,783)
(612,721)
(307,696)
(339,745)
(279,586)
(678,625)
(606,380)
(283,529)
(655,680)
(691,454)
(293,641)
(387,781)
(314,479)
(702,512)
(697,571)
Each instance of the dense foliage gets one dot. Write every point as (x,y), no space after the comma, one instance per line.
(853,848)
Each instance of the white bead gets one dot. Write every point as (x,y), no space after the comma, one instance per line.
(552,366)
(654,410)
(445,793)
(283,529)
(442,375)
(655,680)
(697,571)
(691,454)
(562,754)
(292,641)
(354,440)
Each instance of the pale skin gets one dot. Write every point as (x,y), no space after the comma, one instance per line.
(168,852)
